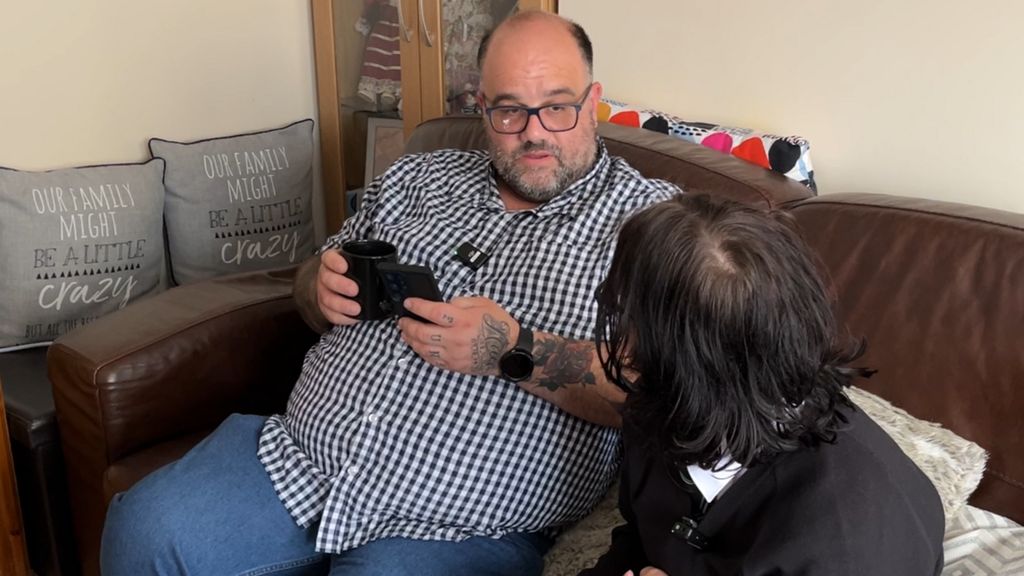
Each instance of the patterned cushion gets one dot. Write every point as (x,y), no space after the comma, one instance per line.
(980,543)
(787,155)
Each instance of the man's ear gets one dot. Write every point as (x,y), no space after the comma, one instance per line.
(483,110)
(596,91)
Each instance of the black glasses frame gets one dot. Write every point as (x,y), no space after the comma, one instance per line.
(577,106)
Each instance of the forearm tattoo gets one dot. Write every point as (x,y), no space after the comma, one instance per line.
(563,362)
(489,344)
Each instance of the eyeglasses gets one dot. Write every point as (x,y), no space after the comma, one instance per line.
(553,117)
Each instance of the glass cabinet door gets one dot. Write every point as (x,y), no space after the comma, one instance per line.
(464,23)
(381,62)
(367,37)
(450,34)
(357,45)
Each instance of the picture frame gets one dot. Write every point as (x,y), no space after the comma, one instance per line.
(385,142)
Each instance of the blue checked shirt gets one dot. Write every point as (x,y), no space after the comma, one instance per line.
(376,443)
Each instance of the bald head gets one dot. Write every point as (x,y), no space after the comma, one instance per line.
(543,22)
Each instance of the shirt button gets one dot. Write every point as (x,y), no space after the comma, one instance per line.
(403,362)
(372,418)
(352,470)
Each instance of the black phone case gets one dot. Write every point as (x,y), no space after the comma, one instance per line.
(403,281)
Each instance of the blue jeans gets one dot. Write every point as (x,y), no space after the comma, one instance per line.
(215,512)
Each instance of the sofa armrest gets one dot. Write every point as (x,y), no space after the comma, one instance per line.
(176,363)
(138,387)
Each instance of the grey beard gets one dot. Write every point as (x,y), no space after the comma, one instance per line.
(564,174)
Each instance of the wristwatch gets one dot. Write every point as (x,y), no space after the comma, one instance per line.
(517,364)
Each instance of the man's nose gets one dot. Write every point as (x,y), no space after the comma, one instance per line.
(535,131)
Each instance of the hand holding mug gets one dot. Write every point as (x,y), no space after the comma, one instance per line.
(335,292)
(348,287)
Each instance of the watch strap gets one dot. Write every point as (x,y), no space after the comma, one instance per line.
(525,340)
(517,363)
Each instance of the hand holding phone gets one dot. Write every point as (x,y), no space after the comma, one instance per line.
(403,281)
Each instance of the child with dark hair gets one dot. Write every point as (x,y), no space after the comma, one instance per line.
(742,453)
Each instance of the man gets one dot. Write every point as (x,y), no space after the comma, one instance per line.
(406,447)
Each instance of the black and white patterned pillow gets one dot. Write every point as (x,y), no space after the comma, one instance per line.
(981,543)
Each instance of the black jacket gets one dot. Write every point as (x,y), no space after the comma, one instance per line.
(858,507)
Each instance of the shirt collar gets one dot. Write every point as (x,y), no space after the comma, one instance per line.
(711,483)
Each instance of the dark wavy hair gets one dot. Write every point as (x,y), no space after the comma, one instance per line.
(716,318)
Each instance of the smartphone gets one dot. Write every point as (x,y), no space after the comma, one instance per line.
(403,281)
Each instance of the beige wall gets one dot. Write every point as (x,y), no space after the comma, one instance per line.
(89,81)
(915,97)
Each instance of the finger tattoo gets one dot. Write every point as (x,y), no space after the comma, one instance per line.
(435,338)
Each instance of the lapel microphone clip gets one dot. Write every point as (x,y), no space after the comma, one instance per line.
(471,256)
(686,529)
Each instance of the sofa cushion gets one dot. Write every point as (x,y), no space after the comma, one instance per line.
(981,543)
(75,244)
(238,203)
(787,155)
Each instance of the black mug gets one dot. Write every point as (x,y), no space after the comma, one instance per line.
(362,257)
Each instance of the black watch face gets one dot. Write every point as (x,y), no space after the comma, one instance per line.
(516,365)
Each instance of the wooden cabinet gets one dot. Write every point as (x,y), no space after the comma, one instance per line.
(408,59)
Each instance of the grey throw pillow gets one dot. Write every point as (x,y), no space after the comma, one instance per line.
(238,203)
(76,244)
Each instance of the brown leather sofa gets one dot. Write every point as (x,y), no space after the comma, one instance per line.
(935,287)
